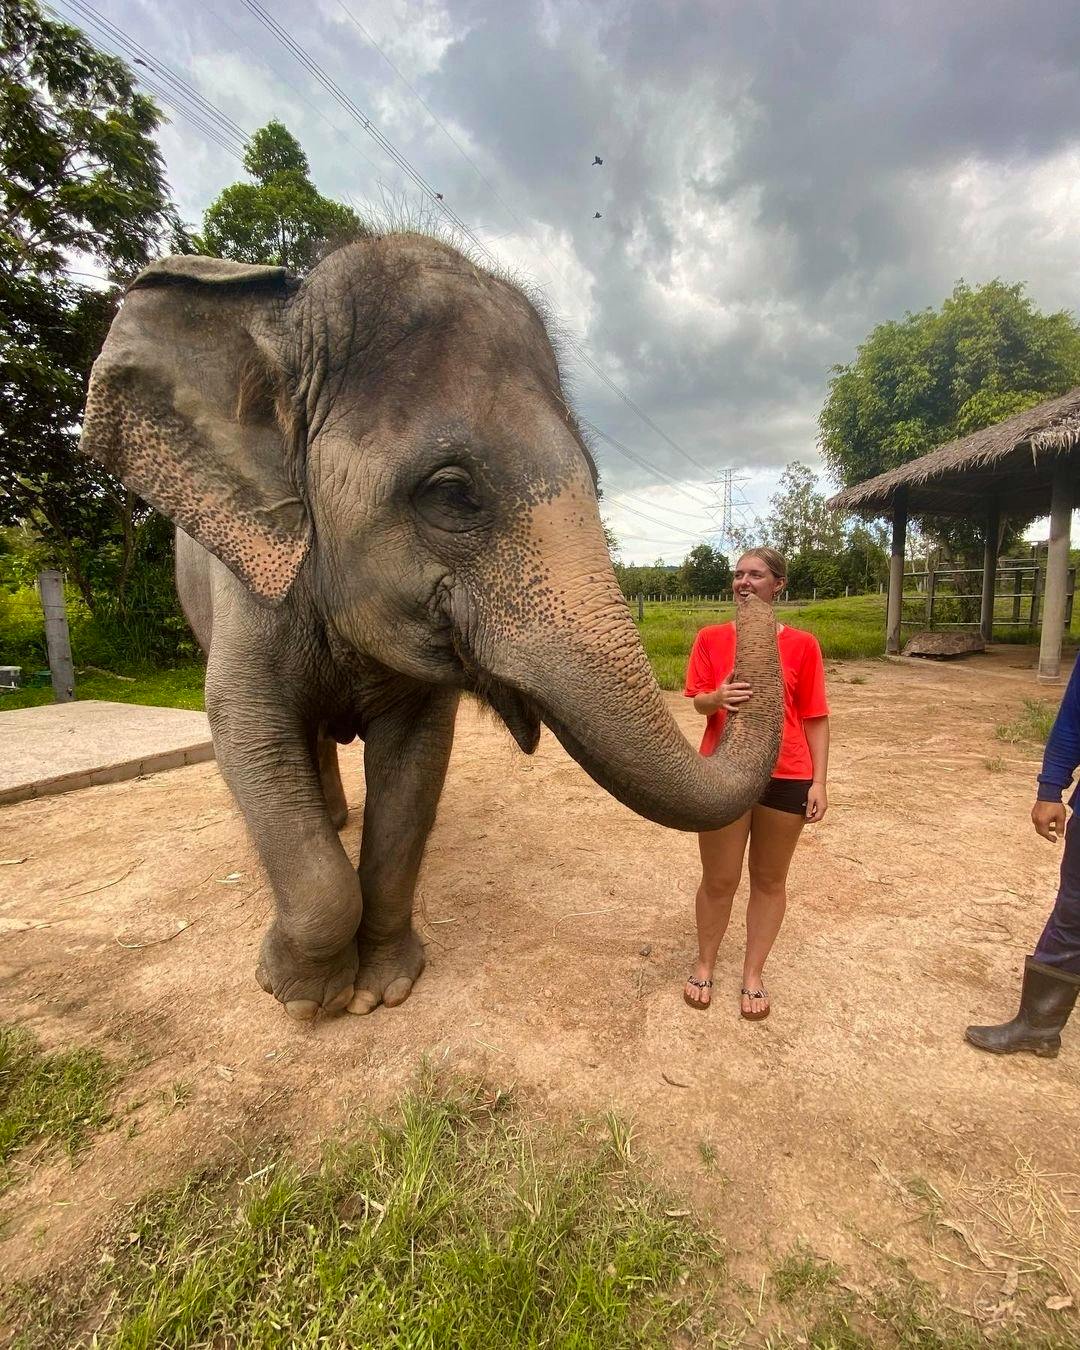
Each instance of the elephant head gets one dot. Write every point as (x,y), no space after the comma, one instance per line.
(386,444)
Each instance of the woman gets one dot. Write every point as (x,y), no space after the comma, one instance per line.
(795,794)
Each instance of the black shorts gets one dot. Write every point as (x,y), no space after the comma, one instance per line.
(786,794)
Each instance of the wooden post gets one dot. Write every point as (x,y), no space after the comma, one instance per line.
(1016,595)
(992,530)
(57,640)
(1057,571)
(931,587)
(894,609)
(640,608)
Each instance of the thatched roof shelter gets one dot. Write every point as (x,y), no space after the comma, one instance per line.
(1012,462)
(1025,467)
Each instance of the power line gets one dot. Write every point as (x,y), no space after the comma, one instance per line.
(574,343)
(335,91)
(637,459)
(183,98)
(219,17)
(303,56)
(433,115)
(672,529)
(230,137)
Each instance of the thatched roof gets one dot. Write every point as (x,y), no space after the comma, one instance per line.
(1012,460)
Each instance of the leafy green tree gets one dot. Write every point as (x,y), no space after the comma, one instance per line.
(281,219)
(80,174)
(923,380)
(704,571)
(799,520)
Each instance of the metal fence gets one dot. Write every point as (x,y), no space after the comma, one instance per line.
(951,597)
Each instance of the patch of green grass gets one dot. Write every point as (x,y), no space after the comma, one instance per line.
(178,688)
(994,764)
(57,1099)
(846,628)
(801,1274)
(456,1225)
(1033,724)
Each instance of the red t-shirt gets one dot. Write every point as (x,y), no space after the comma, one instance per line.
(713,659)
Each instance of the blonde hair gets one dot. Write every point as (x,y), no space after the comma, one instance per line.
(773,561)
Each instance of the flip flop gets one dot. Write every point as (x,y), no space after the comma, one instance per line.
(758,1014)
(693,1002)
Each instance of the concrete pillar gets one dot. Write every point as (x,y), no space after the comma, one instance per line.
(57,642)
(1057,571)
(990,558)
(896,572)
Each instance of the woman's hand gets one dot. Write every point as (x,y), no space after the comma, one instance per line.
(817,803)
(732,694)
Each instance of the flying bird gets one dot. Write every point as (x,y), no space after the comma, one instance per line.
(597,159)
(597,216)
(438,196)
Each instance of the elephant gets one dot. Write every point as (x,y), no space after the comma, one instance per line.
(383,500)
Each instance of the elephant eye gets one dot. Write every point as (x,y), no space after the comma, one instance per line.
(450,501)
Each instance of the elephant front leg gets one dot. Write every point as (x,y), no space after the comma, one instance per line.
(405,756)
(308,957)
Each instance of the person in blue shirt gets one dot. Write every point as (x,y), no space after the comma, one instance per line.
(1052,973)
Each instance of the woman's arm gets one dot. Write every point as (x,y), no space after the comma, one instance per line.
(816,730)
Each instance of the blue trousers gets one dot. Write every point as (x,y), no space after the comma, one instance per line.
(1060,942)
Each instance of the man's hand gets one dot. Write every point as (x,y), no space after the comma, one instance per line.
(1049,820)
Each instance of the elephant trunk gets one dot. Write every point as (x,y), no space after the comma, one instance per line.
(595,689)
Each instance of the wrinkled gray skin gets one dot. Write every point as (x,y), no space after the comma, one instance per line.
(382,500)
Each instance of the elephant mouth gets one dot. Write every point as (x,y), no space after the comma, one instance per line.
(520,714)
(517,711)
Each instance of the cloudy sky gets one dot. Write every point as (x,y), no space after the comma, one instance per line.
(777,179)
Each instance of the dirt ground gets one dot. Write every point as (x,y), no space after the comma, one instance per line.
(559,928)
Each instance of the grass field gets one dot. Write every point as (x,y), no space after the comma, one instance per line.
(847,628)
(464,1221)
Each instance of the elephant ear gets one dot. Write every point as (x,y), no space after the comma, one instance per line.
(189,406)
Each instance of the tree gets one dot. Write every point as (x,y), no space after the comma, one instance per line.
(281,219)
(921,381)
(80,173)
(704,571)
(799,520)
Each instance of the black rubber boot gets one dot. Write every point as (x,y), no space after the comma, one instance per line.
(1045,1004)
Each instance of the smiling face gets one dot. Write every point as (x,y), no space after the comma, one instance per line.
(753,576)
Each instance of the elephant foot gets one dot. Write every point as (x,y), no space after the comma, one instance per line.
(387,972)
(304,984)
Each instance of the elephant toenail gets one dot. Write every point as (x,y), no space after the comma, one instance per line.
(302,1009)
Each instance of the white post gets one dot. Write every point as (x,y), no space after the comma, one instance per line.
(990,555)
(57,641)
(896,573)
(1057,572)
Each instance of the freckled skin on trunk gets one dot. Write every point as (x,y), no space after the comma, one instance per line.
(571,647)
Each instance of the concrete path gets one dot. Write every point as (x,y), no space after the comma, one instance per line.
(63,746)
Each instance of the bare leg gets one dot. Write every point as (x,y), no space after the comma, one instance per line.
(721,868)
(406,751)
(773,836)
(330,776)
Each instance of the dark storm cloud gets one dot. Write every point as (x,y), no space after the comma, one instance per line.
(777,179)
(798,153)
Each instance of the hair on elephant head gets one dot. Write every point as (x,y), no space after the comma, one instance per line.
(382,458)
